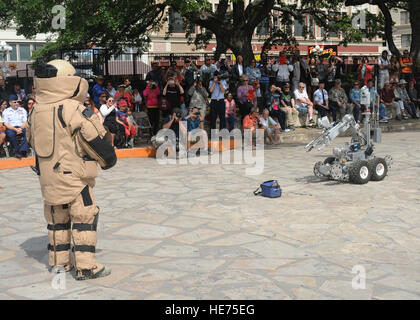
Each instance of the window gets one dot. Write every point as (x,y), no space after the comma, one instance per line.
(176,22)
(262,28)
(298,28)
(405,17)
(406,40)
(12,54)
(38,46)
(24,52)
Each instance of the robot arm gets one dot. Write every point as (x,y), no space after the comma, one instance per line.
(331,131)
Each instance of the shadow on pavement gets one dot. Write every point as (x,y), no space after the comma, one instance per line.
(36,248)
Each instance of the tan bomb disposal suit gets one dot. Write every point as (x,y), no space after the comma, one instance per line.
(69,141)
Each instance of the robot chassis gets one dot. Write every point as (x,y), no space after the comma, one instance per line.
(355,162)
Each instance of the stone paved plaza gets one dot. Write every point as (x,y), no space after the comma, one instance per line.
(198,232)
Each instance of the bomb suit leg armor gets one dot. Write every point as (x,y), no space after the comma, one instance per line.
(69,142)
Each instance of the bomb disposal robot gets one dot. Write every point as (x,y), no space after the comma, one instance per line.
(355,161)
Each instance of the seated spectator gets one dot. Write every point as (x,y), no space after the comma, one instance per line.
(89,104)
(194,120)
(109,114)
(287,105)
(374,100)
(250,121)
(399,101)
(123,95)
(412,92)
(151,97)
(199,96)
(15,120)
(122,118)
(138,100)
(29,103)
(230,111)
(110,89)
(3,105)
(387,97)
(321,102)
(17,90)
(271,127)
(274,107)
(355,93)
(339,101)
(409,106)
(303,104)
(2,129)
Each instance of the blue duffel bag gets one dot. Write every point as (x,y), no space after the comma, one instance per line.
(269,189)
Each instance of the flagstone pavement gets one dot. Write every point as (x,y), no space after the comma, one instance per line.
(198,232)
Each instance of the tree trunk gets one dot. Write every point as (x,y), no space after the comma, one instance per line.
(241,45)
(414,9)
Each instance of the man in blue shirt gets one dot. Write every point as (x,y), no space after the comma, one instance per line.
(217,105)
(321,102)
(15,119)
(97,89)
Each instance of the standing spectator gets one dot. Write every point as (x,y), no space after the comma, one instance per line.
(388,100)
(138,100)
(238,70)
(394,69)
(223,67)
(155,75)
(374,97)
(263,65)
(303,104)
(187,73)
(230,106)
(123,95)
(287,105)
(313,80)
(173,91)
(253,72)
(283,69)
(409,106)
(173,72)
(299,72)
(258,95)
(412,92)
(365,71)
(321,102)
(406,63)
(15,120)
(339,101)
(274,107)
(321,70)
(199,96)
(207,71)
(151,97)
(332,70)
(271,127)
(384,67)
(97,89)
(4,90)
(217,89)
(3,106)
(355,93)
(110,89)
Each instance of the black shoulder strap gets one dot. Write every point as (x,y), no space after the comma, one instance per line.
(88,112)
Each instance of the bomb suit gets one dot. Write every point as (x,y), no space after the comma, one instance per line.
(69,142)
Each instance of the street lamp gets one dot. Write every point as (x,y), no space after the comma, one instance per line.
(4,50)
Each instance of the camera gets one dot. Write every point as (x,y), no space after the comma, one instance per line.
(178,114)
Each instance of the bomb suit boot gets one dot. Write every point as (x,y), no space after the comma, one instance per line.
(69,142)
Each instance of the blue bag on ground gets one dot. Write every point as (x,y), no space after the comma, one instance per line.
(269,189)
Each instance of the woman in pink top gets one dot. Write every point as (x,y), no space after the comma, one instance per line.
(230,111)
(151,97)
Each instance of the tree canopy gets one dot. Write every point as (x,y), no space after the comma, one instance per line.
(116,24)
